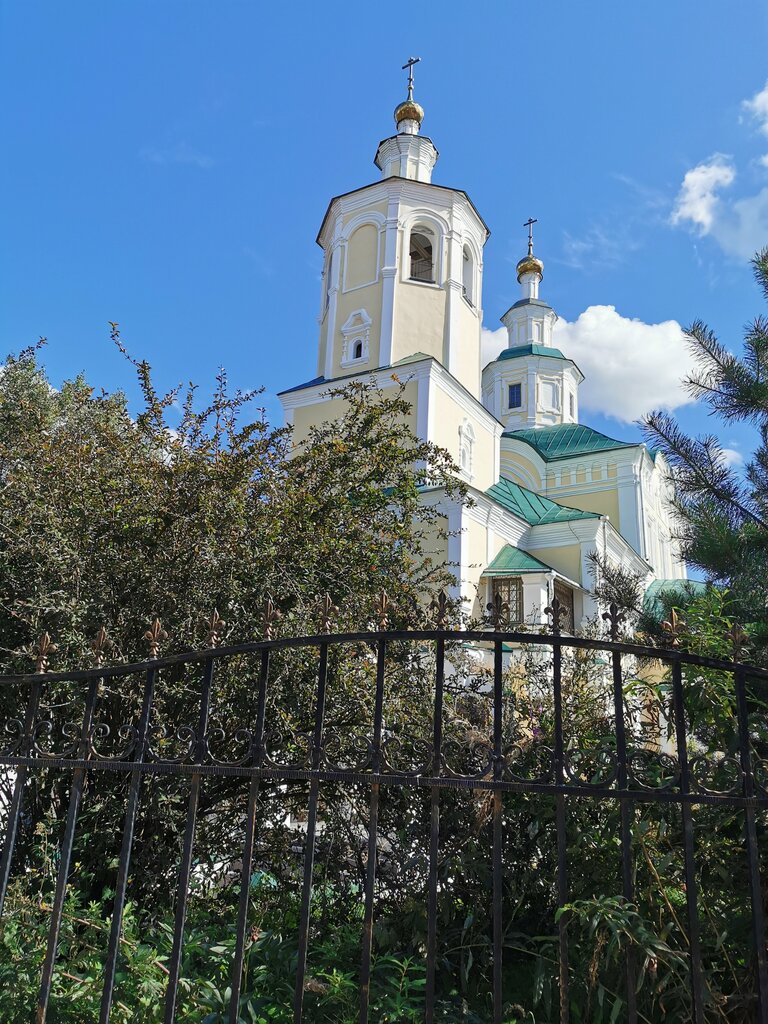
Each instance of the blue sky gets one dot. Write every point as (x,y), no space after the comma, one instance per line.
(167,165)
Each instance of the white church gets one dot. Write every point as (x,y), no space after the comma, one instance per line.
(402,294)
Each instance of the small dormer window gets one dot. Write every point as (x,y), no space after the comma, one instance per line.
(515,396)
(422,255)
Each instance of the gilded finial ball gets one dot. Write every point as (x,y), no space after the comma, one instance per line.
(409,110)
(530,265)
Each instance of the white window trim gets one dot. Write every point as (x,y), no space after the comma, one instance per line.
(356,328)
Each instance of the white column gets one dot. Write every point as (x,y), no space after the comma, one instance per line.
(388,275)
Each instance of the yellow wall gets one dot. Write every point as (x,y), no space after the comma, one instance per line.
(324,410)
(605,503)
(419,321)
(511,461)
(466,361)
(446,417)
(566,559)
(362,256)
(347,302)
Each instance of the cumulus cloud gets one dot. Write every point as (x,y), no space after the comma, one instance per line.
(731,457)
(630,367)
(739,226)
(179,153)
(757,108)
(698,201)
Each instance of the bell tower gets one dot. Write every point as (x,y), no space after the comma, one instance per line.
(402,276)
(531,383)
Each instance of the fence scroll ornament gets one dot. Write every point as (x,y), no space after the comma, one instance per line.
(519,755)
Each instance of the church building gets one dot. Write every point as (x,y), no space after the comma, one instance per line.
(402,294)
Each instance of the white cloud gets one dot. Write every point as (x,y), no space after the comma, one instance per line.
(697,201)
(731,457)
(179,153)
(630,367)
(739,226)
(763,160)
(757,108)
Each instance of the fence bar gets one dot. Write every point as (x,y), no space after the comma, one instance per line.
(18,791)
(65,854)
(753,855)
(691,889)
(434,831)
(562,840)
(309,849)
(129,826)
(250,835)
(373,830)
(174,964)
(626,810)
(498,881)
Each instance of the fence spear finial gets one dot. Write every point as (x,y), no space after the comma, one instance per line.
(99,646)
(45,647)
(326,610)
(615,618)
(213,628)
(555,610)
(154,637)
(382,609)
(673,626)
(439,608)
(498,612)
(270,617)
(738,637)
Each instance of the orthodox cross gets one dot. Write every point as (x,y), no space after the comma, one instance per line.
(409,64)
(529,224)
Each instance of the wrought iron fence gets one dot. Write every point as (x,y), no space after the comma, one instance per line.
(630,772)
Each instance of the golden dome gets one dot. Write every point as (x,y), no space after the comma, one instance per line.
(530,265)
(409,110)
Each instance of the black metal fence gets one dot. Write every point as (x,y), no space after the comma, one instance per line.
(43,738)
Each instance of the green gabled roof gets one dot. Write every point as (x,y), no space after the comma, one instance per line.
(533,508)
(513,560)
(564,440)
(679,590)
(531,350)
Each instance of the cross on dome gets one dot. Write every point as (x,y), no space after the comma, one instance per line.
(530,269)
(409,114)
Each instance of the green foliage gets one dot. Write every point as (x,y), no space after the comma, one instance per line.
(722,513)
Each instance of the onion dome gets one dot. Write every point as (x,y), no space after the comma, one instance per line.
(409,110)
(530,264)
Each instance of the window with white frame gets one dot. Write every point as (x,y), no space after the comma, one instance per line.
(422,255)
(510,590)
(466,448)
(355,331)
(515,396)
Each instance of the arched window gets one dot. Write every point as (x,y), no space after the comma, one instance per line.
(466,448)
(422,255)
(468,276)
(358,350)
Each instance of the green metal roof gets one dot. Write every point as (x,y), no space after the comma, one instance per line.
(512,560)
(564,440)
(533,508)
(531,350)
(679,590)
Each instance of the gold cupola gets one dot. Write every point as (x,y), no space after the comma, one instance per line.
(409,110)
(530,264)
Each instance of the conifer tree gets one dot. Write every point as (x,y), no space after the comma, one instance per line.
(721,509)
